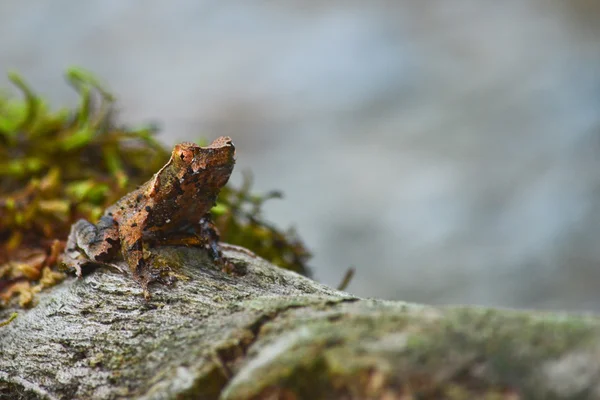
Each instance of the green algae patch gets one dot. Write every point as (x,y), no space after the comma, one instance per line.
(453,353)
(497,349)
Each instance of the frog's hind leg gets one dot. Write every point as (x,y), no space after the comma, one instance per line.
(89,243)
(133,253)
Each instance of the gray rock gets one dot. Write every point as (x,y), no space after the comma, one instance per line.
(270,333)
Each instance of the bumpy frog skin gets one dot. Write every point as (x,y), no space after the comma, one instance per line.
(171,208)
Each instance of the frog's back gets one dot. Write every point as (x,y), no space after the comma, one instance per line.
(129,205)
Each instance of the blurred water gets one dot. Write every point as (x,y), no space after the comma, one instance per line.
(447,149)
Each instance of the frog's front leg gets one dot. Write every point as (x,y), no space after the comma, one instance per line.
(209,234)
(203,234)
(89,243)
(132,249)
(132,245)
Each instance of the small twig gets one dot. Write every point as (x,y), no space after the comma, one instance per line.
(347,278)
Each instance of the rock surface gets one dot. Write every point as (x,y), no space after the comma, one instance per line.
(270,333)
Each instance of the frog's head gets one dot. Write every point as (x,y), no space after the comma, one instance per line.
(214,162)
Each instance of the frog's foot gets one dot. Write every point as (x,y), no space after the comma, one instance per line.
(227,266)
(164,276)
(75,261)
(207,230)
(149,276)
(209,243)
(114,266)
(90,244)
(237,249)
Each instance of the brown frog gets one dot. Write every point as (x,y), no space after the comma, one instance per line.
(171,208)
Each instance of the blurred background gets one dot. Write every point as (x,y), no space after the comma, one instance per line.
(448,149)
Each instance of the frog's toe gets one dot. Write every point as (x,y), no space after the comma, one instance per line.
(231,268)
(117,267)
(73,263)
(147,278)
(144,283)
(227,266)
(163,276)
(77,268)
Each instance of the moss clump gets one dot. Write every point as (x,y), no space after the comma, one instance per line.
(238,216)
(59,166)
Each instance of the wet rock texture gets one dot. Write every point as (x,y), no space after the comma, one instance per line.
(269,333)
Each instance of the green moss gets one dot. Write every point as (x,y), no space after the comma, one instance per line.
(208,387)
(9,320)
(238,216)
